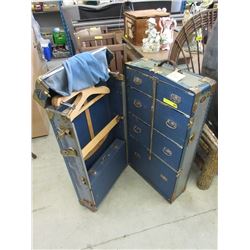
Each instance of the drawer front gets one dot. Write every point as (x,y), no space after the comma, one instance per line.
(155,172)
(167,150)
(139,130)
(139,104)
(181,99)
(138,80)
(171,123)
(107,169)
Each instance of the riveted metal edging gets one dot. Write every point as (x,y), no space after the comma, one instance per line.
(63,132)
(50,114)
(124,109)
(152,117)
(211,82)
(88,204)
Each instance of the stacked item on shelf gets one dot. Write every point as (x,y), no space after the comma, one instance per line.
(60,47)
(43,45)
(44,6)
(57,43)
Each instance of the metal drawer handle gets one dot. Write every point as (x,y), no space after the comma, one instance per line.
(137,130)
(167,151)
(137,104)
(137,155)
(175,98)
(137,80)
(171,124)
(105,157)
(164,177)
(92,172)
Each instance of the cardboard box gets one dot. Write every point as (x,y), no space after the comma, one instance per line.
(40,123)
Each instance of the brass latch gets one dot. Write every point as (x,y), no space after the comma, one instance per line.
(50,114)
(191,122)
(63,131)
(191,138)
(164,177)
(70,152)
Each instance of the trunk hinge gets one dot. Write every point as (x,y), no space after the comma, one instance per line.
(70,152)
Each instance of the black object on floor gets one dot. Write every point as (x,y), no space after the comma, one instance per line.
(34,156)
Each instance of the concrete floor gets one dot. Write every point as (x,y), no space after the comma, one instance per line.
(133,215)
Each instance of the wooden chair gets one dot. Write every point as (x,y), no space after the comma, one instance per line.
(120,56)
(84,41)
(189,33)
(202,23)
(104,29)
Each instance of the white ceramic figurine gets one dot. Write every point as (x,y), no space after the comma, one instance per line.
(167,26)
(152,42)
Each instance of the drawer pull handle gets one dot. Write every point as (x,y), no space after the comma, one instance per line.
(164,177)
(137,155)
(171,124)
(203,99)
(175,98)
(137,104)
(104,158)
(167,151)
(137,130)
(137,80)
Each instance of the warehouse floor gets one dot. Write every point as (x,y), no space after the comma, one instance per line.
(133,215)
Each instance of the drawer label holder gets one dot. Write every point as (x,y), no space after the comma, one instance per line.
(170,103)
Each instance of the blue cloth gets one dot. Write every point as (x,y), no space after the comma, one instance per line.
(80,71)
(85,70)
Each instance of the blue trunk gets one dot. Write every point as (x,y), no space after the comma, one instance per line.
(160,124)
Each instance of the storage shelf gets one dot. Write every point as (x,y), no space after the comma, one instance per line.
(44,12)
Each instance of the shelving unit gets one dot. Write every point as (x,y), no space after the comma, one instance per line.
(50,19)
(66,29)
(45,12)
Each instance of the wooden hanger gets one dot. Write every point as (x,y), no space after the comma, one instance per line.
(80,104)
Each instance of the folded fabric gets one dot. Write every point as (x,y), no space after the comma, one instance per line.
(81,71)
(85,70)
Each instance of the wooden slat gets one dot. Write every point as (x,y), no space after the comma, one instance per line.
(113,47)
(117,62)
(84,41)
(186,62)
(197,45)
(73,115)
(95,148)
(104,132)
(112,65)
(190,55)
(90,125)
